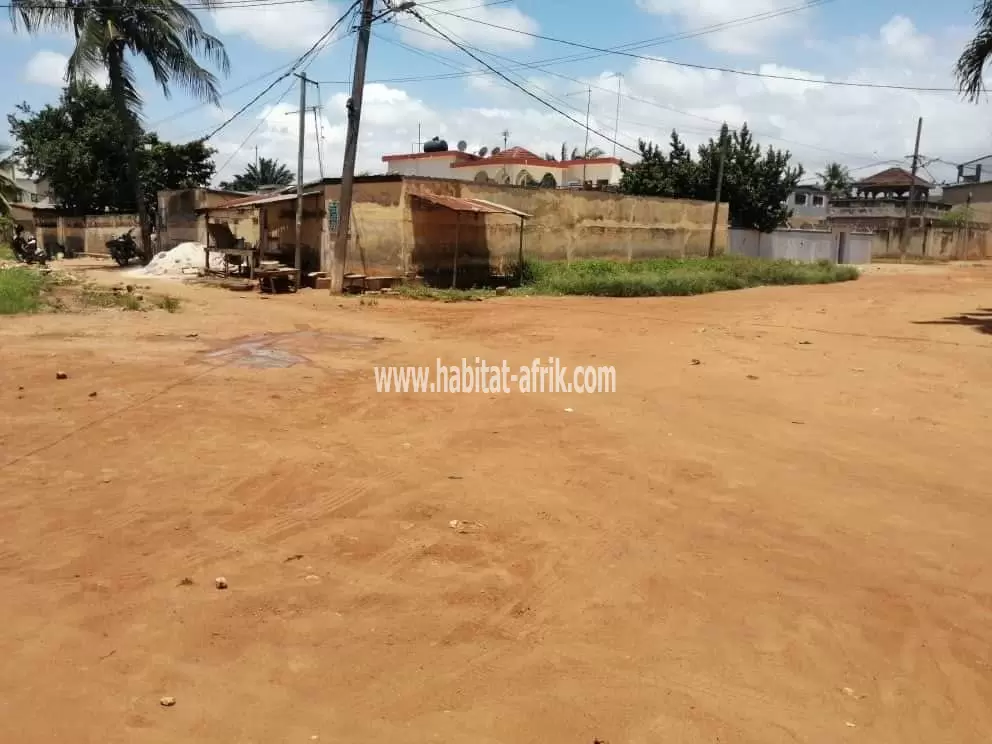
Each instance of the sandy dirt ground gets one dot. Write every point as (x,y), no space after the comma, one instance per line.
(786,542)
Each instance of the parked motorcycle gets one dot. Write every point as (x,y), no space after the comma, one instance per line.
(27,250)
(123,248)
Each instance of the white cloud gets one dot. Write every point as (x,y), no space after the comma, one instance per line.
(48,68)
(761,20)
(482,30)
(815,121)
(901,39)
(286,26)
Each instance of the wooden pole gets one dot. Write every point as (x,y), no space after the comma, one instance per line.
(520,254)
(354,106)
(716,201)
(904,243)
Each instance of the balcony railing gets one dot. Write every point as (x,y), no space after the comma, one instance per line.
(884,208)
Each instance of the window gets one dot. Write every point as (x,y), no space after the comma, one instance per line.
(602,183)
(34,198)
(817,201)
(800,200)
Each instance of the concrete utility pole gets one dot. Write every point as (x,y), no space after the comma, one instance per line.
(585,152)
(340,257)
(506,137)
(616,127)
(904,242)
(716,201)
(299,176)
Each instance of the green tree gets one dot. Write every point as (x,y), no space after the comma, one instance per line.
(971,63)
(268,172)
(755,183)
(75,145)
(836,179)
(163,33)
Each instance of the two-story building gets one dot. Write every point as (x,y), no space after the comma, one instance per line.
(514,166)
(31,192)
(808,205)
(879,202)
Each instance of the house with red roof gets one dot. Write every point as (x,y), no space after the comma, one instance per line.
(515,166)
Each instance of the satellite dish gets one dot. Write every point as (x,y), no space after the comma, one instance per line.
(462,146)
(483,151)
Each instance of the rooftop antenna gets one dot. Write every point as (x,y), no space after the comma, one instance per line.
(506,136)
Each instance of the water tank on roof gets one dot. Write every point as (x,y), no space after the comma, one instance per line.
(436,145)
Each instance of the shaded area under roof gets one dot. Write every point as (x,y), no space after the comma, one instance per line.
(478,206)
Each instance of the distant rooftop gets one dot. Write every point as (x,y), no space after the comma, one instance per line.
(894,178)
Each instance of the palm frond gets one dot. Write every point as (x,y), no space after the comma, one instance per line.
(971,63)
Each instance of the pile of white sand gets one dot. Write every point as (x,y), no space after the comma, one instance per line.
(186,259)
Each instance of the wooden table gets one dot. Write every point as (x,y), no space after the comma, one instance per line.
(272,278)
(247,253)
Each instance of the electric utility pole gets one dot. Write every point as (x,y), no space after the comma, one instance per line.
(585,152)
(616,127)
(904,242)
(297,256)
(354,106)
(719,187)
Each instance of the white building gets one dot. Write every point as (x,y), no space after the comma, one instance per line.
(31,192)
(515,166)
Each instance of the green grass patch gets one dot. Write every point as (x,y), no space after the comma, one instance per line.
(6,252)
(20,290)
(675,277)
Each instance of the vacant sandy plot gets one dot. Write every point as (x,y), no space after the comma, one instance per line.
(788,541)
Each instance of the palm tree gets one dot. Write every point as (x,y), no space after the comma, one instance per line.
(577,154)
(268,172)
(971,63)
(163,33)
(836,178)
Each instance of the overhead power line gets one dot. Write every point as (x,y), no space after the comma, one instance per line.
(517,85)
(712,68)
(626,96)
(255,129)
(643,43)
(300,61)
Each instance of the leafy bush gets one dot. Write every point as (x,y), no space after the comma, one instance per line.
(675,277)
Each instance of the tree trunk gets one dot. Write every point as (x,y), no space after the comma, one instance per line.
(130,124)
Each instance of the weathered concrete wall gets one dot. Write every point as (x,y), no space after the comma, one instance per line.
(80,234)
(178,221)
(803,245)
(392,235)
(380,241)
(945,243)
(566,225)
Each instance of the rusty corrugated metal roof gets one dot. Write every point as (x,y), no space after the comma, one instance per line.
(479,206)
(254,201)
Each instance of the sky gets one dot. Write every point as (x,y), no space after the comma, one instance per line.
(420,85)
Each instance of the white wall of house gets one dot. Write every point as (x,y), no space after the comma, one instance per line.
(436,166)
(459,166)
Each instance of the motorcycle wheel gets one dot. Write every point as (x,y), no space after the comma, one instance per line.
(122,260)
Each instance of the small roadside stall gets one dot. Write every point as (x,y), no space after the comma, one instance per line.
(272,258)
